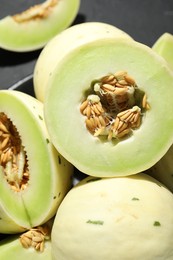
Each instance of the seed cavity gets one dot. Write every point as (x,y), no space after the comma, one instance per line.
(35,238)
(13,158)
(40,11)
(114,106)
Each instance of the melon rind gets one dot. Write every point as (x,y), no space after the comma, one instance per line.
(164,47)
(50,173)
(34,34)
(65,42)
(115,218)
(163,169)
(67,88)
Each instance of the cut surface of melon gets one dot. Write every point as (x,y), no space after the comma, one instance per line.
(63,44)
(115,218)
(49,173)
(33,28)
(73,79)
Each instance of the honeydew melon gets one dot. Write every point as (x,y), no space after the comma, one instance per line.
(164,47)
(62,44)
(33,28)
(77,75)
(115,218)
(34,177)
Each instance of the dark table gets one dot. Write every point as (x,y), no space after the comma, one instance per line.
(144,20)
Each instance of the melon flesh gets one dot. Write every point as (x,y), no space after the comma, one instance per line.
(61,45)
(115,218)
(50,173)
(67,88)
(35,33)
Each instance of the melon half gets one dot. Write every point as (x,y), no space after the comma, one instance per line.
(12,249)
(34,177)
(99,148)
(32,244)
(33,28)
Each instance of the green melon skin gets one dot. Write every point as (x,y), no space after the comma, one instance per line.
(65,42)
(34,34)
(164,47)
(11,248)
(50,173)
(115,218)
(67,88)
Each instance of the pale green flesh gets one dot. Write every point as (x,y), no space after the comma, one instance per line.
(164,47)
(35,34)
(59,47)
(49,180)
(66,125)
(11,248)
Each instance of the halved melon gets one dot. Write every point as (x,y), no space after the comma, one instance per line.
(34,177)
(33,244)
(164,47)
(12,249)
(88,96)
(63,44)
(114,218)
(33,28)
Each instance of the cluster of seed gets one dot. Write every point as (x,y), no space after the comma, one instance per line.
(116,91)
(35,237)
(36,12)
(111,111)
(124,122)
(97,117)
(13,158)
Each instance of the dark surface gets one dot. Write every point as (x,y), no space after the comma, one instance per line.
(144,20)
